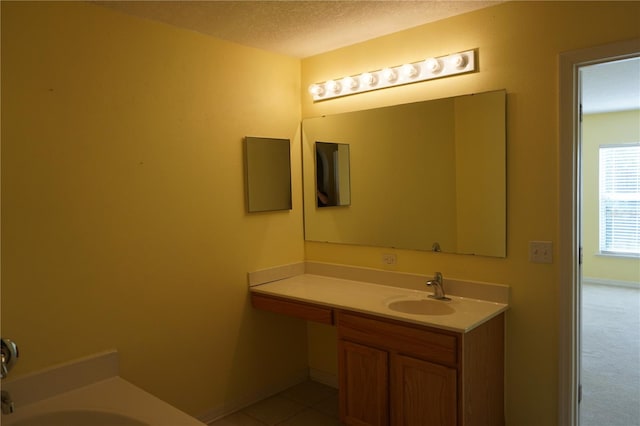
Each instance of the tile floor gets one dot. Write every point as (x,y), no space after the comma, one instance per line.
(306,404)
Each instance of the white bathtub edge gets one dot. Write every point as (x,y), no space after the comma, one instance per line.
(113,395)
(61,378)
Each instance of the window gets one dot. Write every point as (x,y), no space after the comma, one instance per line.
(620,199)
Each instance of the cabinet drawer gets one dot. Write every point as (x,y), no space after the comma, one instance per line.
(420,342)
(296,309)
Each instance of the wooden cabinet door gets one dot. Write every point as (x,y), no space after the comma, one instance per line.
(422,393)
(364,384)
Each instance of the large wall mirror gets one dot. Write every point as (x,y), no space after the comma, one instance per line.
(424,176)
(267,174)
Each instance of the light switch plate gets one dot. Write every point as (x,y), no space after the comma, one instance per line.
(541,251)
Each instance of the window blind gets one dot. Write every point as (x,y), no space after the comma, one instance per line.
(620,199)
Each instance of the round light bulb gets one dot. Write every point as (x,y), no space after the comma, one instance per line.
(351,83)
(334,86)
(369,79)
(316,89)
(390,74)
(458,60)
(410,70)
(433,65)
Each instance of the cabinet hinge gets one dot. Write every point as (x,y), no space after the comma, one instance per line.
(579,393)
(580,114)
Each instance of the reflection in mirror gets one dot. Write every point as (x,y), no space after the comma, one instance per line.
(424,173)
(267,174)
(332,174)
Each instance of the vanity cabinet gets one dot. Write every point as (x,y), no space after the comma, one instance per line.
(364,378)
(376,384)
(422,392)
(396,373)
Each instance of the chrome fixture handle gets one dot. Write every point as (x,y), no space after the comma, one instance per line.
(8,355)
(438,287)
(7,403)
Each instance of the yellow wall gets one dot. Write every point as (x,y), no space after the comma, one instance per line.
(123,211)
(518,44)
(123,219)
(603,129)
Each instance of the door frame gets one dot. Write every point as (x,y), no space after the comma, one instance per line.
(569,217)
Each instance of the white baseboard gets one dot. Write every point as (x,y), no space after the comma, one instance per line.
(608,282)
(323,377)
(231,407)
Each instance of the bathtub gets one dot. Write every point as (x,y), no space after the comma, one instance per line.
(87,392)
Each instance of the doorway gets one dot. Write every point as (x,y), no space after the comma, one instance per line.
(569,204)
(609,176)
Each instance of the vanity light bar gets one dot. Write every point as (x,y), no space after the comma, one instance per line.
(428,69)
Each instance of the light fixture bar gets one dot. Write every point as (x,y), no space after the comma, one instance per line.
(428,69)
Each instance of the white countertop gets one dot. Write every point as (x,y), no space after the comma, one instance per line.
(373,299)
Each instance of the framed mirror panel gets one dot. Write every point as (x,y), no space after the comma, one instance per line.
(267,174)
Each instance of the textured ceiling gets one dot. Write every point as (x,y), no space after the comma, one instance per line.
(296,28)
(306,28)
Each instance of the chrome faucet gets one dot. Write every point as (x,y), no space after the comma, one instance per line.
(438,288)
(7,403)
(8,357)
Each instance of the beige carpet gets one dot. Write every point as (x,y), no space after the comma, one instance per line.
(610,356)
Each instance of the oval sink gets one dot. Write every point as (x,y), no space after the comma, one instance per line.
(421,307)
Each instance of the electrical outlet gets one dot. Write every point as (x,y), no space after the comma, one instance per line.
(389,259)
(540,251)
